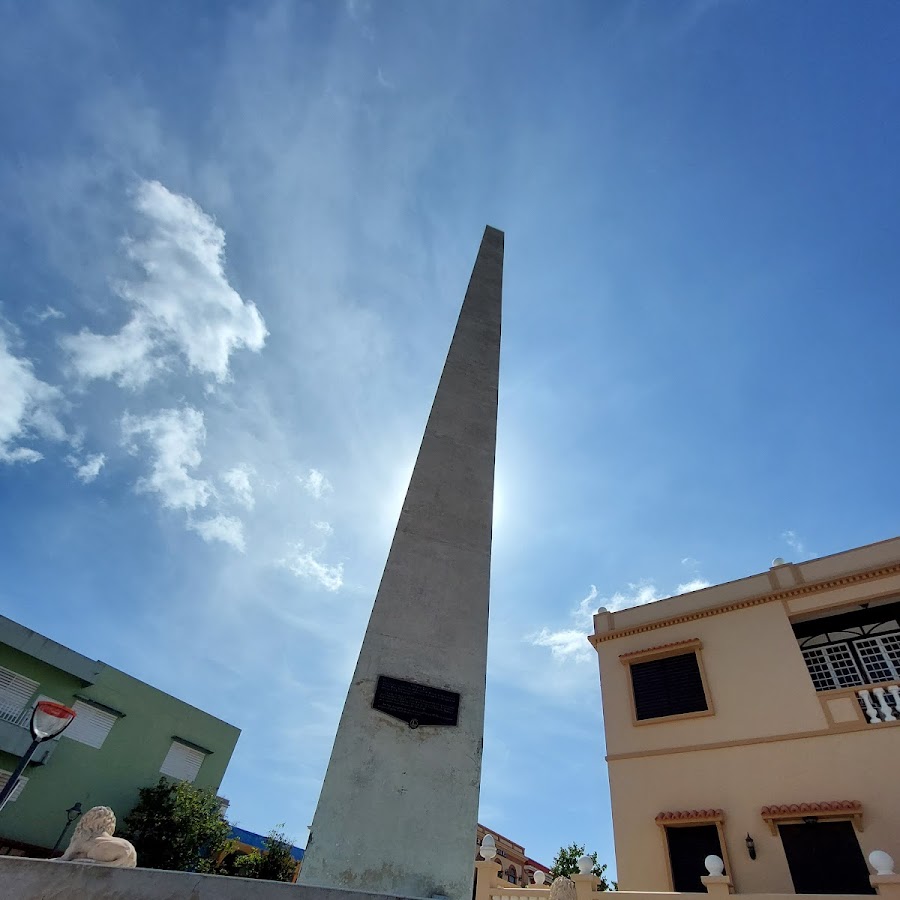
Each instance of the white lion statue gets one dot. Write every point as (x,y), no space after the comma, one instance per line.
(93,841)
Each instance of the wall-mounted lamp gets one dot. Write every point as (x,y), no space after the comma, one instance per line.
(751,847)
(810,820)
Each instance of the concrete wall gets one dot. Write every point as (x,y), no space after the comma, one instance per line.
(129,759)
(34,879)
(772,739)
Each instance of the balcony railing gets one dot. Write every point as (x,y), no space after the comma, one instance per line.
(880,704)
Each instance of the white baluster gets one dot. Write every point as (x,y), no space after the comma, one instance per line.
(871,712)
(886,714)
(894,691)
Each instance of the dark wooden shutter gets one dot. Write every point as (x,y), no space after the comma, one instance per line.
(825,858)
(668,686)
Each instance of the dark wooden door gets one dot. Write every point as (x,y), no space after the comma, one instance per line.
(689,845)
(824,858)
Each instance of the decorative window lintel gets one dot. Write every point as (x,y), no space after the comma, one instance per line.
(660,651)
(691,817)
(794,813)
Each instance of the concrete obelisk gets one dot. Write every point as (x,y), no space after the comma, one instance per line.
(399,804)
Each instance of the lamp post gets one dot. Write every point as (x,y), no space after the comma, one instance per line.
(48,719)
(72,813)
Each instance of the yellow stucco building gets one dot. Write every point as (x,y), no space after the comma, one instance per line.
(513,864)
(757,720)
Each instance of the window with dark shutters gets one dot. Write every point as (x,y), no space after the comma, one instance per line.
(669,686)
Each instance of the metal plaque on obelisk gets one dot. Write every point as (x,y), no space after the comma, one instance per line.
(399,804)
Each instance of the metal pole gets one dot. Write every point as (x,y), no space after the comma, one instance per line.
(10,785)
(62,834)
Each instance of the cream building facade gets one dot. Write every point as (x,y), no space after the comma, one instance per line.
(757,720)
(514,866)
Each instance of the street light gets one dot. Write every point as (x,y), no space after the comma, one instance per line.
(48,719)
(72,813)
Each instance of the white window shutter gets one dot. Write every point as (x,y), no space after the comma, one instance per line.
(4,777)
(91,725)
(15,692)
(182,762)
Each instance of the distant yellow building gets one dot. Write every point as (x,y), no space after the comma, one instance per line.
(756,720)
(517,868)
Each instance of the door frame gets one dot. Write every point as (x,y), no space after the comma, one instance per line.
(685,819)
(825,820)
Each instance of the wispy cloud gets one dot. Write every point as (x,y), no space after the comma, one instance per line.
(323,527)
(571,643)
(228,529)
(305,563)
(44,315)
(180,300)
(238,480)
(695,584)
(793,540)
(87,469)
(28,408)
(315,484)
(172,438)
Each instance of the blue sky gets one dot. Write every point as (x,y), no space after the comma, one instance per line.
(234,239)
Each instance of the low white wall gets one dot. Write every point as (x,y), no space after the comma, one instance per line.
(39,879)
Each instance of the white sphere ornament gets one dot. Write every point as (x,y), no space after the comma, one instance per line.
(539,877)
(881,862)
(714,865)
(585,864)
(488,847)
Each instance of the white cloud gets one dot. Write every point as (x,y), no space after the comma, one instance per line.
(228,529)
(315,483)
(49,312)
(173,438)
(180,300)
(88,469)
(695,584)
(584,614)
(382,80)
(792,539)
(305,564)
(572,643)
(638,594)
(324,527)
(28,407)
(238,479)
(569,643)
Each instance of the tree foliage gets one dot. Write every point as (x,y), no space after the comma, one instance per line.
(177,826)
(274,863)
(566,864)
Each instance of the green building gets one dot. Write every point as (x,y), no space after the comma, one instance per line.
(125,736)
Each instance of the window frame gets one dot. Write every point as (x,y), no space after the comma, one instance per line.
(846,631)
(687,819)
(101,711)
(18,789)
(187,746)
(826,650)
(650,654)
(887,652)
(24,714)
